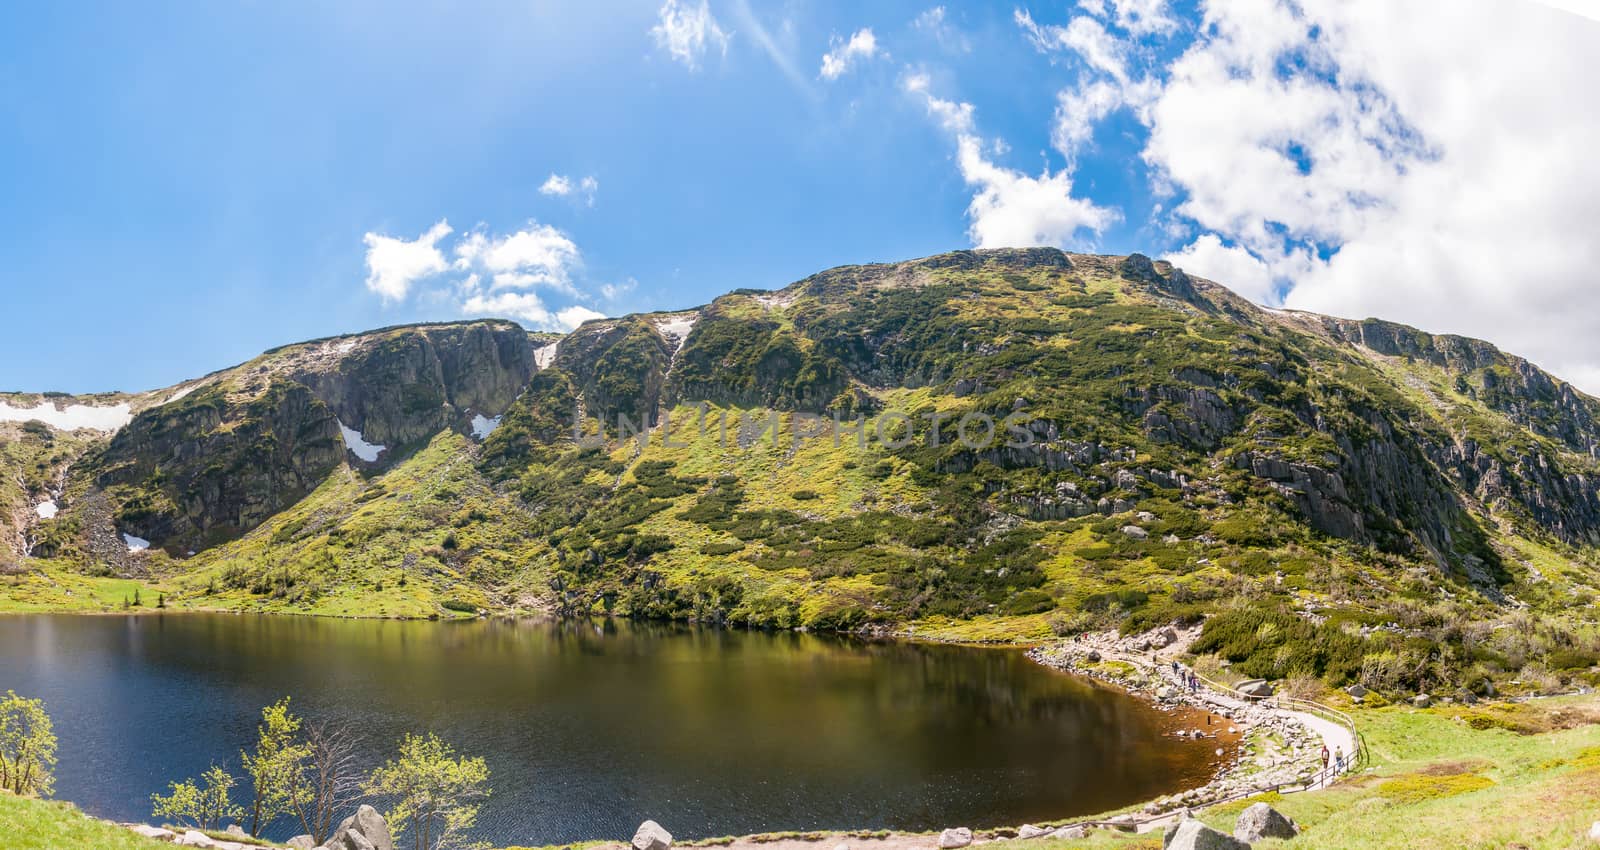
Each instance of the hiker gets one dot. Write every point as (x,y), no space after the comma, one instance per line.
(1324,757)
(1338,760)
(1175,670)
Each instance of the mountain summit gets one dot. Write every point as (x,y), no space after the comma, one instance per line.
(1155,447)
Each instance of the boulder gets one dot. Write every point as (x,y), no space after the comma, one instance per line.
(1030,831)
(1422,701)
(1070,833)
(951,839)
(1194,835)
(237,831)
(1166,692)
(301,842)
(154,832)
(1594,832)
(1356,691)
(650,836)
(193,838)
(1255,688)
(1135,532)
(363,830)
(1263,821)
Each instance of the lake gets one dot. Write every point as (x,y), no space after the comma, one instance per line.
(590,728)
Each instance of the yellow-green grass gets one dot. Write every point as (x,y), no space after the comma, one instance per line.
(29,824)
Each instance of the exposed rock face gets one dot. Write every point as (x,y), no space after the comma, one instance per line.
(221,459)
(650,836)
(1194,835)
(1263,821)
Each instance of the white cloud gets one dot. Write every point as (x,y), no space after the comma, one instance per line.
(687,31)
(1448,181)
(562,186)
(528,308)
(861,46)
(394,264)
(618,290)
(538,255)
(936,22)
(1082,35)
(1010,208)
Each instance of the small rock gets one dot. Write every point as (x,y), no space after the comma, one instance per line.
(1422,701)
(1194,835)
(191,838)
(237,831)
(1263,821)
(1093,656)
(1028,830)
(1135,532)
(1070,833)
(301,842)
(951,839)
(1255,688)
(1594,832)
(650,836)
(154,832)
(1356,691)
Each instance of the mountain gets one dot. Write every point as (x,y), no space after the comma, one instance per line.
(1162,450)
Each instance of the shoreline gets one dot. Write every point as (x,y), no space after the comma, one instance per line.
(1056,656)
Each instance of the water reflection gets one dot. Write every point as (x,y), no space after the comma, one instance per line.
(591,727)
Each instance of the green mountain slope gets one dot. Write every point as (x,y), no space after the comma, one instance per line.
(992,444)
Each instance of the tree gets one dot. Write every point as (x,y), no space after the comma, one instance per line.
(202,808)
(274,766)
(27,746)
(328,781)
(435,794)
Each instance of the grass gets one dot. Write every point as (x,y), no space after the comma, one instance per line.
(29,824)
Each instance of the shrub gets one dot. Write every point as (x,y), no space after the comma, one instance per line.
(1028,602)
(459,606)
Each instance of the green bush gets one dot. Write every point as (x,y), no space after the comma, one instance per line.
(459,606)
(1028,602)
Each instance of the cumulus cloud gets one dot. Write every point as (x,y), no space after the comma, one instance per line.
(1010,208)
(394,264)
(1445,182)
(562,186)
(529,309)
(846,53)
(538,255)
(687,31)
(935,22)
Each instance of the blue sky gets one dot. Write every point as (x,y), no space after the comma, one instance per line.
(190,183)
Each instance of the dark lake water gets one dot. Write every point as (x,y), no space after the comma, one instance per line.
(589,729)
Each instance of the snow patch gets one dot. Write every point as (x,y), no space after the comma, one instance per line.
(676,328)
(181,393)
(345,347)
(72,417)
(46,509)
(135,544)
(358,444)
(777,300)
(483,426)
(544,355)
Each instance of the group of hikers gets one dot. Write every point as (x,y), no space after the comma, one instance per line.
(1188,679)
(1338,760)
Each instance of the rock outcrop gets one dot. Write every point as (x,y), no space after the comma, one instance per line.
(1263,821)
(1193,835)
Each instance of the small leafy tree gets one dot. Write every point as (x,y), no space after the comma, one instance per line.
(200,807)
(435,794)
(27,746)
(274,767)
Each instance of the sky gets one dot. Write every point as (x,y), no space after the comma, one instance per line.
(187,184)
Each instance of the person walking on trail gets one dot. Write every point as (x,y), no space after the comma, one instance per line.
(1338,760)
(1324,757)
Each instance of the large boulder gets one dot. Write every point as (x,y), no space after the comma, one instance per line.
(1263,821)
(1070,833)
(301,842)
(363,830)
(650,836)
(1028,830)
(1194,835)
(1422,700)
(952,839)
(193,838)
(1356,691)
(1255,688)
(153,832)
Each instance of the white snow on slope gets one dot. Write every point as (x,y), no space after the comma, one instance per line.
(676,328)
(483,426)
(358,444)
(46,509)
(181,393)
(71,417)
(135,544)
(544,355)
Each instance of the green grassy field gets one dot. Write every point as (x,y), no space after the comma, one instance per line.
(27,824)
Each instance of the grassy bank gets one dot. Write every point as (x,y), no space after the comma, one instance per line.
(28,824)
